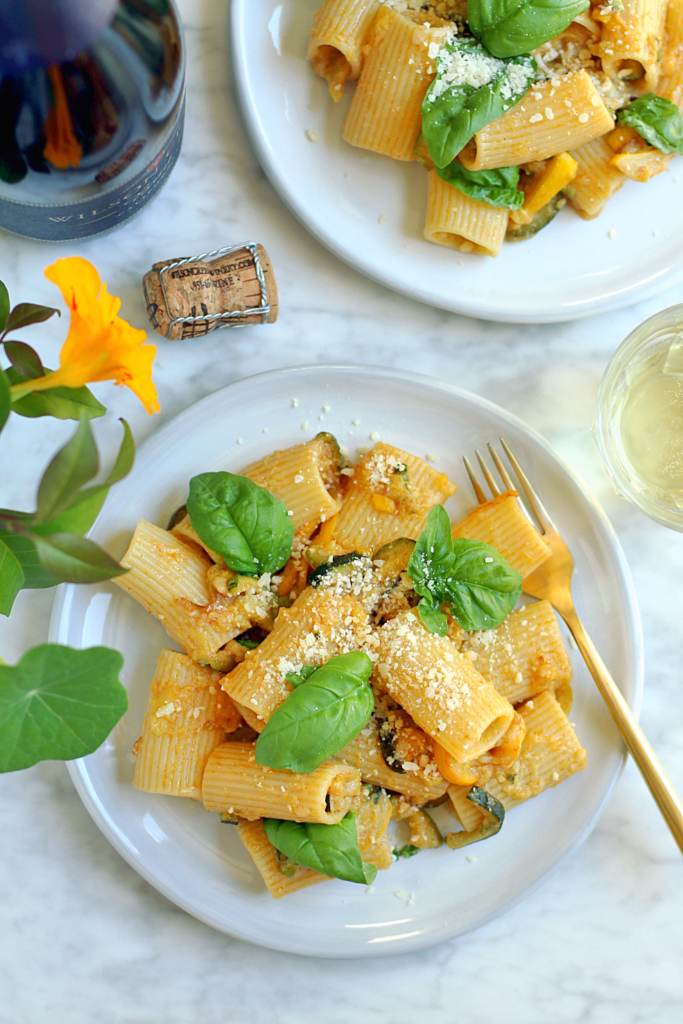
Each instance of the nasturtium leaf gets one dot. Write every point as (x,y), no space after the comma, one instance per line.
(489,827)
(5,399)
(24,359)
(657,119)
(24,550)
(26,313)
(480,587)
(471,89)
(74,559)
(508,28)
(320,716)
(241,521)
(70,469)
(330,849)
(11,578)
(4,305)
(58,703)
(497,187)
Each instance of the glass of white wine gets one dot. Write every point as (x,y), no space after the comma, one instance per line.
(639,419)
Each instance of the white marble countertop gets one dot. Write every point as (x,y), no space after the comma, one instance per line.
(83,937)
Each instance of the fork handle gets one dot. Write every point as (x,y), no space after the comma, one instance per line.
(633,736)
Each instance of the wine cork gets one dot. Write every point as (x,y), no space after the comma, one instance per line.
(203,286)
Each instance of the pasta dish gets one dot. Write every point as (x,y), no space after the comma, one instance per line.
(348,656)
(514,109)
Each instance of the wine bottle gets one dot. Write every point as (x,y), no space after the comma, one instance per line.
(92,102)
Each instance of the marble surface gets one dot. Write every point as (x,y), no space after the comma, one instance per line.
(84,938)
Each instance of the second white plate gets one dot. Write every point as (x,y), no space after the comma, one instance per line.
(369,210)
(201,864)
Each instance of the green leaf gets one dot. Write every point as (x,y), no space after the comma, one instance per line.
(83,507)
(320,716)
(75,559)
(58,703)
(330,849)
(72,466)
(453,113)
(432,617)
(244,523)
(657,119)
(297,678)
(4,305)
(61,403)
(28,313)
(491,825)
(479,585)
(24,550)
(24,359)
(11,578)
(508,28)
(406,851)
(5,399)
(496,187)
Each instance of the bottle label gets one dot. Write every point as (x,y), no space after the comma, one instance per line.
(68,222)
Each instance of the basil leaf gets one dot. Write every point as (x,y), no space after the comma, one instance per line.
(75,559)
(243,522)
(488,828)
(330,849)
(297,678)
(24,550)
(511,27)
(5,399)
(432,617)
(24,359)
(657,119)
(58,703)
(61,403)
(28,313)
(470,90)
(320,716)
(11,578)
(496,187)
(4,305)
(484,587)
(479,585)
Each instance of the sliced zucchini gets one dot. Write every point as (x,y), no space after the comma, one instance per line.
(540,220)
(177,517)
(387,744)
(372,817)
(492,824)
(394,557)
(344,564)
(423,832)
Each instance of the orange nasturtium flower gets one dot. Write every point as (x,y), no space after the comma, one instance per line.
(99,345)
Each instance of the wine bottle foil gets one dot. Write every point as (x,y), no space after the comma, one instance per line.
(232,287)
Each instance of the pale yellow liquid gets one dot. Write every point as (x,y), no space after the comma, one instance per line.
(652,430)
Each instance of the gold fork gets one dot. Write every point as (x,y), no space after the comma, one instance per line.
(552,581)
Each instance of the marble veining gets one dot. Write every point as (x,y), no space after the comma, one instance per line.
(83,937)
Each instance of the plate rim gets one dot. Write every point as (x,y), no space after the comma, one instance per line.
(78,769)
(606,303)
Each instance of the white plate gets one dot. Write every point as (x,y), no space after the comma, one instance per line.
(199,863)
(572,269)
